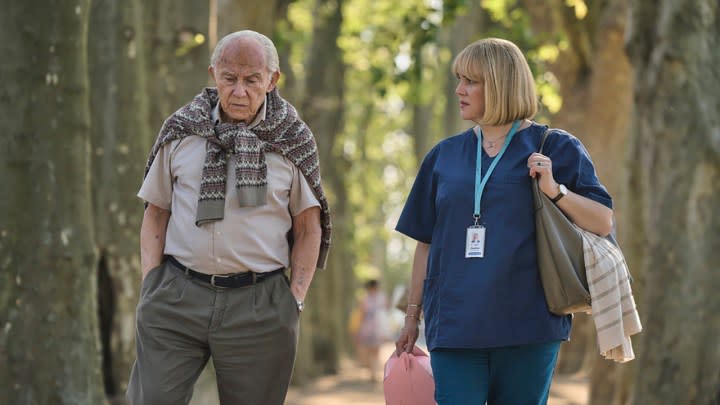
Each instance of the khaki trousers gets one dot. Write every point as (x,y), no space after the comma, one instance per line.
(251,333)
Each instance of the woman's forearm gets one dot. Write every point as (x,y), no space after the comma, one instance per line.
(584,212)
(587,214)
(417,279)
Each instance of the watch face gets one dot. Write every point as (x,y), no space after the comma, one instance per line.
(562,192)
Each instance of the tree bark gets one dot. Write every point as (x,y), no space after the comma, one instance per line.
(177,54)
(596,88)
(323,110)
(265,17)
(283,43)
(422,106)
(120,138)
(256,15)
(675,50)
(464,30)
(49,346)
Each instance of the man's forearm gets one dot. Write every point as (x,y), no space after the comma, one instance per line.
(152,237)
(304,262)
(305,251)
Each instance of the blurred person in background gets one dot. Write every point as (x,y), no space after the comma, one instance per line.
(373,328)
(475,275)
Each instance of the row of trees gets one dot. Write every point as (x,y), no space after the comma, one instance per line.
(88,83)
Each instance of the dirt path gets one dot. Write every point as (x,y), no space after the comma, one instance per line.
(353,386)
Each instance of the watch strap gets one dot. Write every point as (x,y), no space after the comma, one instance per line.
(559,195)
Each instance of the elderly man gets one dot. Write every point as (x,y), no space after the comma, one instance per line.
(233,196)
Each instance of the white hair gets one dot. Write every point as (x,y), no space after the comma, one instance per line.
(272,61)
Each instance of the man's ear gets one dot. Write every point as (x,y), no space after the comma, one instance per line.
(211,71)
(273,81)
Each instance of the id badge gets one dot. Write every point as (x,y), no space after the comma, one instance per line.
(475,242)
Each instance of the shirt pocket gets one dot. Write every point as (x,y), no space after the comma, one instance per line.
(187,163)
(517,179)
(513,184)
(510,200)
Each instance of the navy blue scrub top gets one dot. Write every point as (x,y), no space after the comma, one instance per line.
(496,300)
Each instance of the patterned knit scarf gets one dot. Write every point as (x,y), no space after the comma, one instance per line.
(281,132)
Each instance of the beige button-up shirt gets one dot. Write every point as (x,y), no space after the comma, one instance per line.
(247,238)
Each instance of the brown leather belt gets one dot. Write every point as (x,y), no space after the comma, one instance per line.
(225,281)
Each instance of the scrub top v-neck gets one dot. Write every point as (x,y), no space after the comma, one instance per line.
(496,300)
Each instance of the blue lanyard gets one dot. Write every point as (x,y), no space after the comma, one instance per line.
(480,184)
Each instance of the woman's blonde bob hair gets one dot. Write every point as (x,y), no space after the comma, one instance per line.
(509,85)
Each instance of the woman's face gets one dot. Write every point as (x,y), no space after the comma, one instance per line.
(471,95)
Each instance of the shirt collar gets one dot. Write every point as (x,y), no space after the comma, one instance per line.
(259,117)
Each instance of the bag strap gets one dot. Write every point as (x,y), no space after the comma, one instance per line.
(536,188)
(536,183)
(544,138)
(537,199)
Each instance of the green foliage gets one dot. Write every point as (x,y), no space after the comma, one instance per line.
(512,22)
(188,41)
(395,59)
(581,9)
(298,34)
(377,52)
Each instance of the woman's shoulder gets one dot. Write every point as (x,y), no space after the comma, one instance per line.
(556,137)
(451,144)
(537,130)
(454,142)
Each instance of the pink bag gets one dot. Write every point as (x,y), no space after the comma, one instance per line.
(409,379)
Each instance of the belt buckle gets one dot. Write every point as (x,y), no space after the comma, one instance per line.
(212,280)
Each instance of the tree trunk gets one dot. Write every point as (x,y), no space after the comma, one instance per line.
(256,15)
(422,106)
(323,110)
(177,54)
(120,139)
(675,50)
(49,347)
(283,43)
(597,101)
(268,18)
(464,30)
(596,89)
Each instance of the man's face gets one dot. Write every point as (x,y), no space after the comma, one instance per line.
(242,79)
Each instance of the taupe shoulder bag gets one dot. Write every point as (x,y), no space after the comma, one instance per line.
(560,255)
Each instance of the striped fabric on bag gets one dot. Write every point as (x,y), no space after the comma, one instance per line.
(613,307)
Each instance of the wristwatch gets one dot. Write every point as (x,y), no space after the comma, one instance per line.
(300,305)
(562,192)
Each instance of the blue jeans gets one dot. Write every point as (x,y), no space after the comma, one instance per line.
(514,375)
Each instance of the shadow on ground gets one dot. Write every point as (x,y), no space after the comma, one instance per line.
(353,386)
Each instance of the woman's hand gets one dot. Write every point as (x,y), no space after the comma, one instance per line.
(408,336)
(584,212)
(542,165)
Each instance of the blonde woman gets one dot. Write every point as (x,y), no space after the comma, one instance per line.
(475,277)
